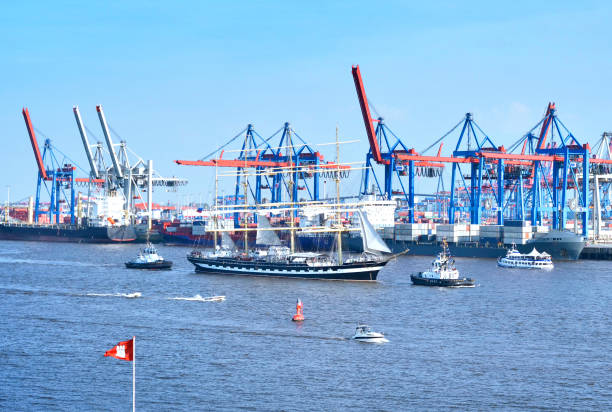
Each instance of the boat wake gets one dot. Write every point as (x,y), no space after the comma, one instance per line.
(268,333)
(460,286)
(133,295)
(49,262)
(199,298)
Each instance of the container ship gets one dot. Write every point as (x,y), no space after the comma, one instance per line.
(19,225)
(61,213)
(422,239)
(563,245)
(464,240)
(194,233)
(491,241)
(67,233)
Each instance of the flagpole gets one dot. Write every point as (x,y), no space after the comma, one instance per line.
(134,374)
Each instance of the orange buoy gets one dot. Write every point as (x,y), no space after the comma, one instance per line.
(299,314)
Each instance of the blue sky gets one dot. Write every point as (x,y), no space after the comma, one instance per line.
(178,78)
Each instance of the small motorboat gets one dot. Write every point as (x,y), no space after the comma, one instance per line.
(220,298)
(148,258)
(531,260)
(363,333)
(442,273)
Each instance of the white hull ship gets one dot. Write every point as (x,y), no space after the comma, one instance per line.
(531,260)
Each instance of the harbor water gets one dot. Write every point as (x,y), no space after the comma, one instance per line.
(521,339)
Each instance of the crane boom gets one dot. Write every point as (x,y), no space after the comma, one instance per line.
(365,111)
(92,164)
(545,126)
(109,143)
(39,160)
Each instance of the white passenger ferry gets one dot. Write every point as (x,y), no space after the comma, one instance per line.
(531,260)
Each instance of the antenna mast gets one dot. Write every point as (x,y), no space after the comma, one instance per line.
(339,215)
(291,183)
(215,216)
(246,225)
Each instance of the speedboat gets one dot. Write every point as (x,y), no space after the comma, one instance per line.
(148,258)
(363,333)
(442,273)
(531,260)
(220,298)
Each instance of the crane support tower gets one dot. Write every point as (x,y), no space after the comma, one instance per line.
(532,180)
(283,164)
(388,150)
(54,178)
(127,178)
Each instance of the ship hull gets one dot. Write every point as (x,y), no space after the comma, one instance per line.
(318,242)
(206,240)
(68,233)
(363,271)
(446,283)
(559,250)
(144,235)
(184,240)
(166,264)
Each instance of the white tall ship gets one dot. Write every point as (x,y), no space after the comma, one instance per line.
(531,260)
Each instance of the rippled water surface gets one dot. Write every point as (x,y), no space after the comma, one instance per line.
(520,339)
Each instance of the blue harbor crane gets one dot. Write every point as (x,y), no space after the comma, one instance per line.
(283,167)
(56,179)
